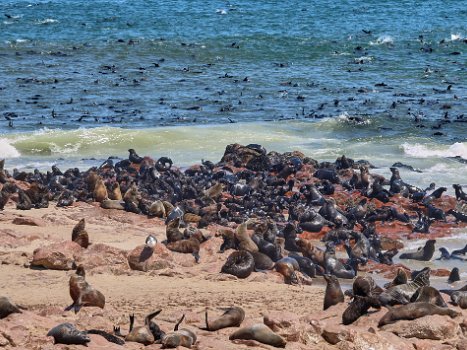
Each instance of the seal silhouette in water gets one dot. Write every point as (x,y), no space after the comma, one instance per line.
(232,317)
(66,333)
(82,293)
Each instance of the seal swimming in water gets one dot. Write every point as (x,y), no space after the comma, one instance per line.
(239,263)
(430,295)
(232,317)
(79,234)
(146,334)
(424,253)
(333,294)
(413,311)
(66,333)
(261,333)
(179,337)
(82,293)
(8,308)
(402,293)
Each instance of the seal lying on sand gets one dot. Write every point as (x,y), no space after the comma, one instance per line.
(240,263)
(179,337)
(7,307)
(146,334)
(82,293)
(232,317)
(413,311)
(261,333)
(430,295)
(66,333)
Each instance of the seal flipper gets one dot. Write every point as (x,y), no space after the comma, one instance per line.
(109,337)
(197,257)
(180,321)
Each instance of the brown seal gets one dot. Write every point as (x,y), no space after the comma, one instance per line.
(333,294)
(132,194)
(244,240)
(173,232)
(430,295)
(7,190)
(66,333)
(413,311)
(459,298)
(261,333)
(115,192)
(179,337)
(364,286)
(7,307)
(310,251)
(112,204)
(190,245)
(240,263)
(287,267)
(424,253)
(79,234)
(100,191)
(400,278)
(146,334)
(262,261)
(232,317)
(157,209)
(358,307)
(82,293)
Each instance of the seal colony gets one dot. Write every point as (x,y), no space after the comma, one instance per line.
(266,207)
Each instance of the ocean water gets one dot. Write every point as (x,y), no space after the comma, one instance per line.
(378,80)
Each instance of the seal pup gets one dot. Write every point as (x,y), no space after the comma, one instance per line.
(8,308)
(424,253)
(179,337)
(428,294)
(400,278)
(240,263)
(333,294)
(232,317)
(115,192)
(460,299)
(173,232)
(146,334)
(358,307)
(66,333)
(79,234)
(190,245)
(402,293)
(82,293)
(261,333)
(413,311)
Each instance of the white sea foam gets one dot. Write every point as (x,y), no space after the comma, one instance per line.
(456,37)
(7,150)
(457,149)
(47,21)
(221,11)
(383,40)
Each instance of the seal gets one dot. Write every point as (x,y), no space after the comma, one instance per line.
(232,317)
(66,333)
(307,266)
(79,234)
(262,261)
(7,190)
(173,232)
(157,209)
(261,333)
(460,194)
(402,293)
(100,191)
(365,286)
(82,293)
(239,263)
(460,299)
(333,294)
(134,157)
(8,308)
(287,267)
(413,311)
(400,278)
(112,204)
(430,295)
(190,245)
(146,334)
(244,240)
(423,253)
(115,193)
(179,337)
(310,251)
(358,307)
(454,275)
(333,266)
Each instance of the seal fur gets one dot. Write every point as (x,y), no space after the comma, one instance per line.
(82,293)
(232,317)
(261,333)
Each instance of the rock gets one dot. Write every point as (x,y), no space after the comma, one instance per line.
(433,327)
(104,258)
(145,259)
(28,221)
(334,334)
(57,256)
(361,340)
